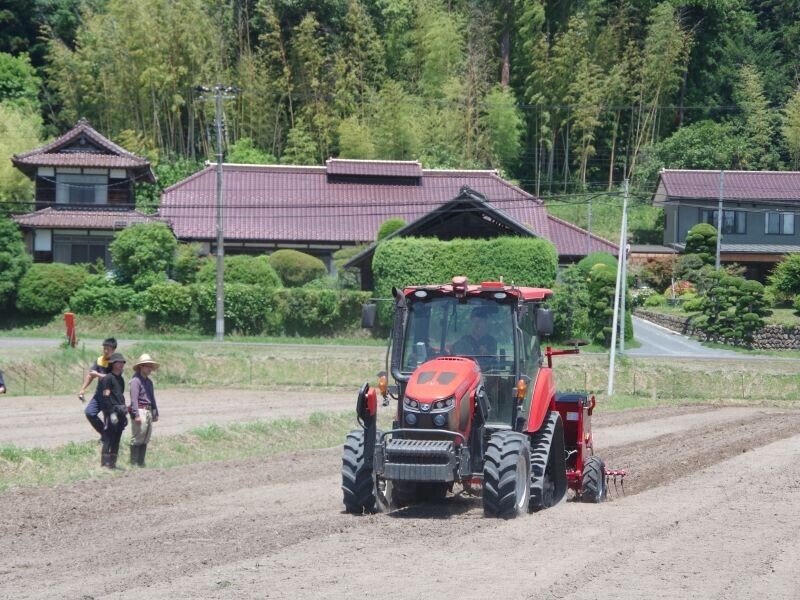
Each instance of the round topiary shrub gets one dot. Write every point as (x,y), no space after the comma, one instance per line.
(655,300)
(241,268)
(603,258)
(389,226)
(297,268)
(46,288)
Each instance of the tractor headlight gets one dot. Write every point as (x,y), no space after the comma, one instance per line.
(439,420)
(410,404)
(444,405)
(411,418)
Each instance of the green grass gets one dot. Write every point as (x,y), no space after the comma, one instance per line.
(21,467)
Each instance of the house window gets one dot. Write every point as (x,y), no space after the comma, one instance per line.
(733,221)
(74,249)
(779,223)
(81,189)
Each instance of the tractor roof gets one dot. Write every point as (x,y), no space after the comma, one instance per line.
(460,287)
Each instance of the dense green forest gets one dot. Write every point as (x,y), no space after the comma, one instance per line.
(566,97)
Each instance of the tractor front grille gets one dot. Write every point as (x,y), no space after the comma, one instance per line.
(420,460)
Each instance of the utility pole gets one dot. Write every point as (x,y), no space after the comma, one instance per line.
(719,216)
(623,258)
(221,93)
(622,239)
(589,229)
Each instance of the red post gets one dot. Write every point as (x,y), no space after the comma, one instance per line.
(69,320)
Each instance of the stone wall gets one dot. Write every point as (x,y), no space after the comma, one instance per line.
(674,322)
(770,337)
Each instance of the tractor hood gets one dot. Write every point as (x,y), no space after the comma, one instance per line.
(442,378)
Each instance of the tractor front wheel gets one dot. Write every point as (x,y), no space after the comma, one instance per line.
(358,476)
(593,485)
(507,475)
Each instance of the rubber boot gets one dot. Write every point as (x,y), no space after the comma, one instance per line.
(105,460)
(135,453)
(142,452)
(112,460)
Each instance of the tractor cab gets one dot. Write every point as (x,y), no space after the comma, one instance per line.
(492,325)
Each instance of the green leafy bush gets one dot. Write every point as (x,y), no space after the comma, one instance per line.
(315,312)
(187,263)
(143,251)
(785,276)
(102,297)
(587,262)
(14,260)
(570,304)
(297,268)
(688,266)
(241,268)
(167,305)
(655,300)
(734,309)
(701,241)
(249,309)
(640,296)
(46,288)
(389,226)
(796,305)
(416,261)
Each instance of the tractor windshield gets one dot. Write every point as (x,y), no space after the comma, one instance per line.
(477,328)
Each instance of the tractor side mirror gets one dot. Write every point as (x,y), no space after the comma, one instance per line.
(544,321)
(368,314)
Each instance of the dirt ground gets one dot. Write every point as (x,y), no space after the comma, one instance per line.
(180,410)
(710,511)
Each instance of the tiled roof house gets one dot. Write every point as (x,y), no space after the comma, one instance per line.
(84,193)
(321,209)
(759,212)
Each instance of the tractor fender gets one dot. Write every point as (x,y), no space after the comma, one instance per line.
(544,391)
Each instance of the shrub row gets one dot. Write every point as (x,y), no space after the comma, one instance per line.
(253,310)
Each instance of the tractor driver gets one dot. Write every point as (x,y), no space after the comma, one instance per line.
(477,342)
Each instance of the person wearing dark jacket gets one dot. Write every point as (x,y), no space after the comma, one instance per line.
(97,371)
(144,411)
(111,391)
(2,384)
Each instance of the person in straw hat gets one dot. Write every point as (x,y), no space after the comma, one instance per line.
(143,407)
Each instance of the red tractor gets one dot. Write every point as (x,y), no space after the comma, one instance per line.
(476,405)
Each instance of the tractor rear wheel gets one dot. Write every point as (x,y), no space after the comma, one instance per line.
(507,475)
(593,485)
(358,476)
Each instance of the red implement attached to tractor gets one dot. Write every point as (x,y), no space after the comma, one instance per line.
(476,406)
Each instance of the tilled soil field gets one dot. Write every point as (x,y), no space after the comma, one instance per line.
(710,511)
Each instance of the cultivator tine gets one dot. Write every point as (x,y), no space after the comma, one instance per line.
(616,473)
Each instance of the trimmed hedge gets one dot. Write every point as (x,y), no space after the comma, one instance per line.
(240,268)
(46,288)
(316,312)
(417,261)
(249,309)
(166,305)
(297,268)
(101,298)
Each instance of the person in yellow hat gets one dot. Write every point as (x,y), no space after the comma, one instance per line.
(143,407)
